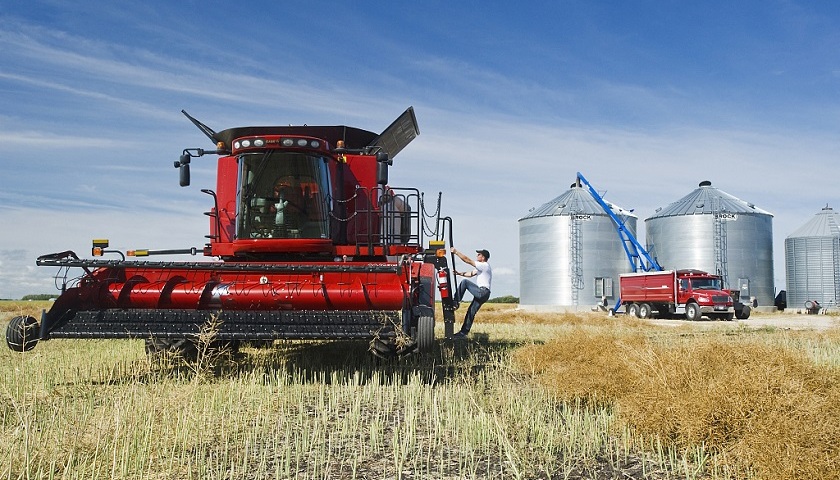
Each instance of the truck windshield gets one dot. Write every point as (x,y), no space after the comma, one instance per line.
(705,284)
(283,195)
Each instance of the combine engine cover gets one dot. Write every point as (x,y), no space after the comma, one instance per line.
(309,242)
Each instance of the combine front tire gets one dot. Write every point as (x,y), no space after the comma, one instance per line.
(22,334)
(425,336)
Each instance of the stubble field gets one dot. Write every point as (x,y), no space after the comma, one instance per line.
(528,396)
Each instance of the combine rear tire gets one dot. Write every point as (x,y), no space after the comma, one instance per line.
(182,347)
(743,313)
(188,349)
(22,334)
(425,337)
(382,349)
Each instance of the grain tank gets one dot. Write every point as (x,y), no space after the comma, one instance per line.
(569,254)
(812,261)
(711,230)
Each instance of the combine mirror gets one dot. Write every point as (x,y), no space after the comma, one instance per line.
(184,169)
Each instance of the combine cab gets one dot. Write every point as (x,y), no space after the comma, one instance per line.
(308,241)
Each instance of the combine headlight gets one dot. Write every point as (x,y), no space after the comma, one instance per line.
(289,142)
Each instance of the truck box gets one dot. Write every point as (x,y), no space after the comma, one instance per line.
(649,287)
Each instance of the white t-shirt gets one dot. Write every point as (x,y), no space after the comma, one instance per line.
(484,274)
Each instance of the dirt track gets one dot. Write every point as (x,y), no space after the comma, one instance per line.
(785,320)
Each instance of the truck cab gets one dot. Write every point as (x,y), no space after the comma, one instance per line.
(706,292)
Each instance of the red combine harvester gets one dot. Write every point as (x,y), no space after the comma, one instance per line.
(309,242)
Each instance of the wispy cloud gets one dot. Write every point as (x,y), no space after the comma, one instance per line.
(91,120)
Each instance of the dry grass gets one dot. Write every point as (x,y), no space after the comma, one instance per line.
(102,409)
(530,396)
(10,308)
(758,400)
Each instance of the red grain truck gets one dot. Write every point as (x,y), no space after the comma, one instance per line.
(692,293)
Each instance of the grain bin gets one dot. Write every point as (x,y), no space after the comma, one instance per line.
(570,254)
(711,230)
(812,261)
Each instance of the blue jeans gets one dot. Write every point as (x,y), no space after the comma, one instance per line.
(480,295)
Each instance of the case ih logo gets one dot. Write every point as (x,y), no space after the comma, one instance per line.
(726,216)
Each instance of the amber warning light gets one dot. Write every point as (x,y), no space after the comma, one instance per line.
(99,245)
(439,247)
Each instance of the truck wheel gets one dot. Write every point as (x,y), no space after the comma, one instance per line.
(744,313)
(633,310)
(692,312)
(644,310)
(22,334)
(425,333)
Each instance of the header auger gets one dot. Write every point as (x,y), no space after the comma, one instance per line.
(309,242)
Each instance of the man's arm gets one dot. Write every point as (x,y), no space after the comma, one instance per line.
(465,259)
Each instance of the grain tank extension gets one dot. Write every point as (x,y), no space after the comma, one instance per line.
(308,241)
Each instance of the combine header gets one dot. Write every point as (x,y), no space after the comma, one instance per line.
(308,241)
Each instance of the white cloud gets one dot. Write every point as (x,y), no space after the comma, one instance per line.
(31,233)
(495,142)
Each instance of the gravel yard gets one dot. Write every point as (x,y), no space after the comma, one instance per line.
(785,319)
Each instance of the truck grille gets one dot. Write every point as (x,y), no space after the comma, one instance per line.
(720,298)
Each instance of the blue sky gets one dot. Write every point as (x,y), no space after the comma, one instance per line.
(645,98)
